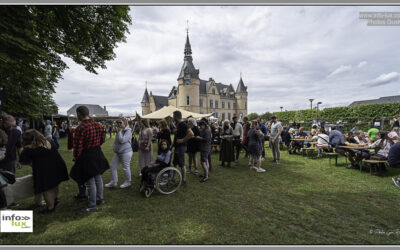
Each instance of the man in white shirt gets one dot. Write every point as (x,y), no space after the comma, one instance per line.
(237,136)
(276,130)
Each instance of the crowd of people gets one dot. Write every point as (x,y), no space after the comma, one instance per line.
(39,149)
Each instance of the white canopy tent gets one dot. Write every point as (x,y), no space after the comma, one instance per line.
(167,111)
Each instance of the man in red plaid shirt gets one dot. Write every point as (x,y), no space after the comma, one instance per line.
(90,162)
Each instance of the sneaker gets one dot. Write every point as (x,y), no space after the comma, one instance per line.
(273,161)
(140,173)
(260,170)
(196,172)
(277,162)
(263,159)
(236,161)
(204,179)
(12,205)
(125,184)
(396,181)
(188,171)
(87,210)
(111,184)
(253,168)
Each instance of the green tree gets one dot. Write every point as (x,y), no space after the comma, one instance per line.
(266,116)
(252,116)
(33,40)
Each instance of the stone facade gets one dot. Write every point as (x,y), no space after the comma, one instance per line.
(200,96)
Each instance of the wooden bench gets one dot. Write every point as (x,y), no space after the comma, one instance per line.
(308,150)
(370,162)
(330,156)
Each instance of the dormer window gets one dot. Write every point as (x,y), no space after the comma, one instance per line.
(213,91)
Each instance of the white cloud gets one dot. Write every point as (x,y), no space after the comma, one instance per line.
(342,69)
(361,64)
(384,79)
(284,52)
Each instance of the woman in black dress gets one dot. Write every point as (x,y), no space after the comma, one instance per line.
(226,154)
(165,132)
(193,146)
(48,167)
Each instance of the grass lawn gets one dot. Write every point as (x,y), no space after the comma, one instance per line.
(300,201)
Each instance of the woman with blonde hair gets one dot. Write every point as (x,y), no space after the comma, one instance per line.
(145,145)
(49,169)
(193,146)
(123,154)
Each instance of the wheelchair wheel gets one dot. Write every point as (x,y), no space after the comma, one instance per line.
(168,180)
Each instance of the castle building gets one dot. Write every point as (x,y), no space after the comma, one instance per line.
(199,96)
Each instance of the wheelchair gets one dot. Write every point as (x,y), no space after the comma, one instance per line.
(166,181)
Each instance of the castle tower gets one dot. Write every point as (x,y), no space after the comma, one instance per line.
(188,82)
(145,102)
(241,98)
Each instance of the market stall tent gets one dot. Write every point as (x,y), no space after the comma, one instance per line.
(167,111)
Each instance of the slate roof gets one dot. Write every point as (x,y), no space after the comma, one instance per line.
(188,70)
(94,109)
(160,101)
(241,88)
(146,97)
(386,99)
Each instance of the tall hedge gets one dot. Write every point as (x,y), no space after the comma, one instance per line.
(360,113)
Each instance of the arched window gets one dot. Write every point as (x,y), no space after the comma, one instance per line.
(213,91)
(187,100)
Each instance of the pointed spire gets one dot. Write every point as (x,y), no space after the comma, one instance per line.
(241,88)
(146,97)
(188,48)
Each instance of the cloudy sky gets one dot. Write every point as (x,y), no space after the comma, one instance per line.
(287,55)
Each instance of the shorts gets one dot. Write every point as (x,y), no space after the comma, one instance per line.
(179,156)
(204,156)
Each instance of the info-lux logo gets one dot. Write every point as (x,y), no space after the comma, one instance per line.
(16,221)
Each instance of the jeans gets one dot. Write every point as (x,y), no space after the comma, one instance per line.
(125,160)
(57,142)
(95,190)
(263,148)
(238,146)
(276,154)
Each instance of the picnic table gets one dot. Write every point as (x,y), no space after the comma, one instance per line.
(300,139)
(356,147)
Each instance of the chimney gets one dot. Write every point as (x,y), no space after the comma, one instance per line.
(105,108)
